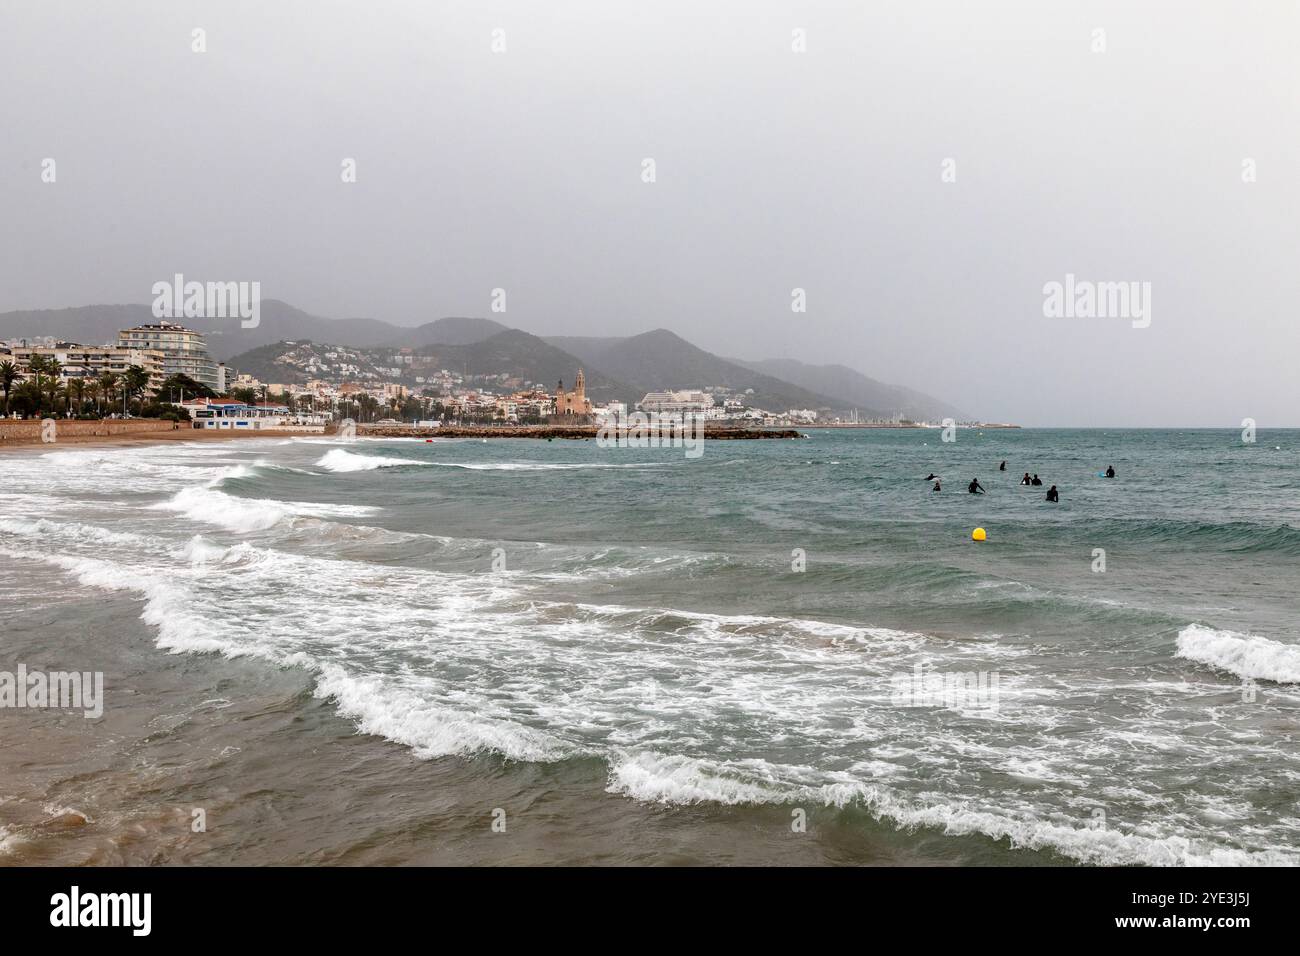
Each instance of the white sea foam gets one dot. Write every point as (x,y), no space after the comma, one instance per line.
(251,514)
(198,550)
(28,503)
(168,606)
(654,778)
(388,710)
(658,778)
(341,460)
(9,841)
(543,466)
(1245,655)
(45,528)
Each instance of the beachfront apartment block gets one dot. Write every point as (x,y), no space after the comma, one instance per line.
(184,351)
(92,361)
(689,402)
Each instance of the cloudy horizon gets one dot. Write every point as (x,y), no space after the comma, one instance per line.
(920,173)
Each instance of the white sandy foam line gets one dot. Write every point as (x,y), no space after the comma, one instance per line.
(9,841)
(341,460)
(251,514)
(375,704)
(253,469)
(387,710)
(168,605)
(44,528)
(29,503)
(1245,655)
(657,778)
(180,450)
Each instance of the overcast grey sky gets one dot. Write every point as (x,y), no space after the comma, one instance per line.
(775,170)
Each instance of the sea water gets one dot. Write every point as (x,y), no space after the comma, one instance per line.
(780,651)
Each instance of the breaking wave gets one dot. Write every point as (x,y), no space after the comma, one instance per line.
(341,460)
(1245,655)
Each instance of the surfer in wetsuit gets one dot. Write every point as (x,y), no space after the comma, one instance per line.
(1036,481)
(931,476)
(975,488)
(1003,466)
(1025,480)
(1052,495)
(936,487)
(1110,471)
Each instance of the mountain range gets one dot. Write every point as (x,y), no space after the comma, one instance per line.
(279,321)
(615,367)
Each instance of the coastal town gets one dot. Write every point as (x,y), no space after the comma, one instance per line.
(165,370)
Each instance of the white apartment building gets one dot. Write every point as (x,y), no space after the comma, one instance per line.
(92,361)
(184,351)
(691,402)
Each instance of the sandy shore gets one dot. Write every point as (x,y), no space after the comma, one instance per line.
(137,440)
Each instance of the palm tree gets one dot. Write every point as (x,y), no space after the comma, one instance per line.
(28,397)
(108,382)
(93,386)
(135,381)
(8,375)
(77,387)
(58,392)
(39,367)
(367,404)
(36,367)
(54,369)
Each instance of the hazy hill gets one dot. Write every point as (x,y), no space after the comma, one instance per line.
(448,331)
(261,364)
(661,356)
(617,367)
(86,325)
(662,360)
(526,356)
(857,390)
(99,324)
(292,363)
(512,353)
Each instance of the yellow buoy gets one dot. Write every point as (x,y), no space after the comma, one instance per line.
(977,534)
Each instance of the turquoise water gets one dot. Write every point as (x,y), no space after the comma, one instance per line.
(773,626)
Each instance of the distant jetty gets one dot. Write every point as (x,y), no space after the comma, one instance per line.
(552,431)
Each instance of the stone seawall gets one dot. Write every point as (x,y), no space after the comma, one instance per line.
(29,430)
